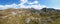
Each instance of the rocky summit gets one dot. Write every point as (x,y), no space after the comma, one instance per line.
(30,16)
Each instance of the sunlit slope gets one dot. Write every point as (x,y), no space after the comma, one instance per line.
(29,16)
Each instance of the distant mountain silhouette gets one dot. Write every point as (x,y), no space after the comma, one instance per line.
(49,9)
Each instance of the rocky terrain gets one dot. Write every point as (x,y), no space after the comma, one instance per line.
(30,16)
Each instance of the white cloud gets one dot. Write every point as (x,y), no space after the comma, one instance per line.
(12,5)
(8,6)
(34,4)
(1,6)
(30,3)
(56,8)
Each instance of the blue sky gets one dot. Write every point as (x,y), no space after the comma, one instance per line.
(47,3)
(3,2)
(51,3)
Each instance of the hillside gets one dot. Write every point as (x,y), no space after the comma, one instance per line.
(30,16)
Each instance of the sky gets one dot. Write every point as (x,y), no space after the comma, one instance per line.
(37,4)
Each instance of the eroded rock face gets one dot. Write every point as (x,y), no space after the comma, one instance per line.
(28,16)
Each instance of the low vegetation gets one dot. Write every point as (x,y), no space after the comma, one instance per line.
(30,16)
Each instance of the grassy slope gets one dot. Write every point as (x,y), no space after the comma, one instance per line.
(36,17)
